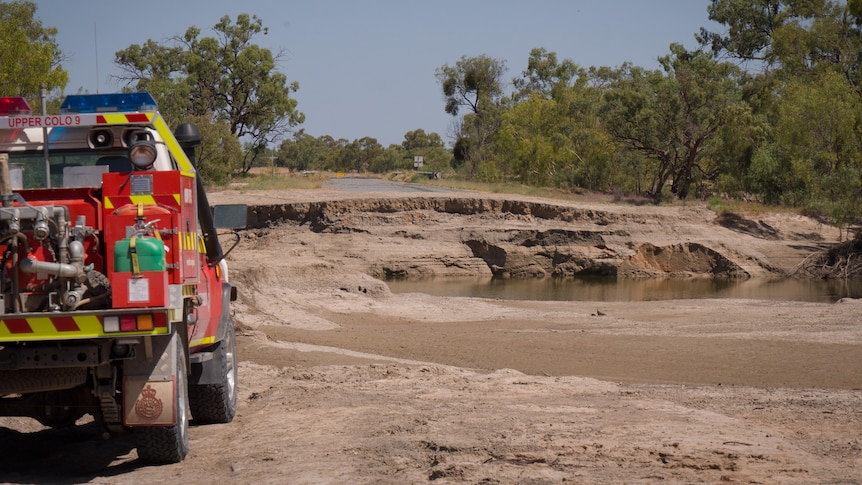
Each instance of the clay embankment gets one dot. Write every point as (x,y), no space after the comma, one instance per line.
(459,236)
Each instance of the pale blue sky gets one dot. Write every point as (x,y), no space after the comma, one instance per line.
(366,67)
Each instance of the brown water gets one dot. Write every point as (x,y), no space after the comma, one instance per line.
(613,289)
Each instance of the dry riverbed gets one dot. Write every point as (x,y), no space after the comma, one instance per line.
(343,381)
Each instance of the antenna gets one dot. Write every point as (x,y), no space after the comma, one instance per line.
(96,50)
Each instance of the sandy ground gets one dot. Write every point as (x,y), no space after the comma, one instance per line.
(342,381)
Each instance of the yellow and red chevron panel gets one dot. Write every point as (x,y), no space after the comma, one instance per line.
(114,201)
(122,118)
(22,328)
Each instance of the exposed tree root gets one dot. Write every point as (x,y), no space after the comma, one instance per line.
(843,260)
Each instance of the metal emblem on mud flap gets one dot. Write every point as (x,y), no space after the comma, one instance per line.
(148,407)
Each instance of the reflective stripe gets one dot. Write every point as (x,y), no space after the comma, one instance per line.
(142,199)
(64,327)
(124,118)
(115,201)
(202,341)
(182,160)
(190,241)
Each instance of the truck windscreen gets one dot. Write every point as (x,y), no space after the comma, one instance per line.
(69,169)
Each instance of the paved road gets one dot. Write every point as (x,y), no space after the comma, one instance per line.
(370,184)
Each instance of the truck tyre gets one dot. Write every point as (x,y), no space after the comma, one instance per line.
(216,403)
(168,444)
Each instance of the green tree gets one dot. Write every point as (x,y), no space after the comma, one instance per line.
(359,155)
(808,92)
(227,77)
(557,142)
(29,54)
(820,131)
(429,146)
(795,37)
(418,139)
(305,152)
(394,157)
(672,116)
(461,151)
(750,28)
(825,37)
(552,135)
(474,83)
(159,70)
(527,137)
(220,152)
(733,148)
(334,147)
(546,75)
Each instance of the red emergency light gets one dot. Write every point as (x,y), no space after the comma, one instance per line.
(14,106)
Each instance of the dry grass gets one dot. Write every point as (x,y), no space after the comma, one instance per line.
(281,179)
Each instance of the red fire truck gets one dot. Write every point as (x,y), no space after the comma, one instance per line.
(114,292)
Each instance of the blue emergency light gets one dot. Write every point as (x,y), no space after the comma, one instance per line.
(107,103)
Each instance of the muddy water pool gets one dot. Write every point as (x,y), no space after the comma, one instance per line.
(617,289)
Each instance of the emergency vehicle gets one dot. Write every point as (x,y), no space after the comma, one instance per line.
(114,292)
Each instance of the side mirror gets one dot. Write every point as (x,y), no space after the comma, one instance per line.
(231,216)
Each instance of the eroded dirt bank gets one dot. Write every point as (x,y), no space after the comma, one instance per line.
(476,235)
(344,382)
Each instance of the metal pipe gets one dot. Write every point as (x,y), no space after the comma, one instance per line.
(5,181)
(63,270)
(43,93)
(16,284)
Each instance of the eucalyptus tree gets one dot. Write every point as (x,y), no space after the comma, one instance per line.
(429,146)
(557,142)
(220,154)
(359,155)
(475,84)
(810,90)
(418,139)
(670,115)
(304,152)
(794,37)
(820,132)
(226,78)
(29,54)
(546,76)
(750,28)
(552,135)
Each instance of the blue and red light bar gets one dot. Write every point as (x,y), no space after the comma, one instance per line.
(14,106)
(108,103)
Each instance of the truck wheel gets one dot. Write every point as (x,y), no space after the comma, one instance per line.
(216,403)
(168,444)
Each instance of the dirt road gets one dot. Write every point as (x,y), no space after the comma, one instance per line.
(344,382)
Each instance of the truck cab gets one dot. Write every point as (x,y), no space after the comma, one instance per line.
(114,291)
